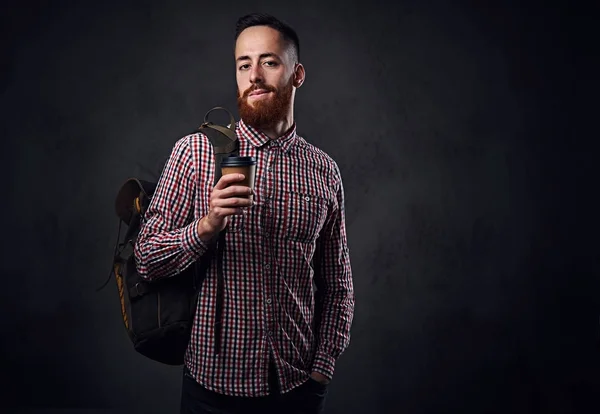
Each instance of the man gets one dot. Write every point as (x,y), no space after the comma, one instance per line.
(278,342)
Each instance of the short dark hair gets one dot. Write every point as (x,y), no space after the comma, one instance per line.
(264,19)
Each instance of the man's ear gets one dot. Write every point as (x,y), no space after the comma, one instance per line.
(299,75)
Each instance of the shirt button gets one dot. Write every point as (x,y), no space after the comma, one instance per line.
(266,234)
(269,301)
(267,266)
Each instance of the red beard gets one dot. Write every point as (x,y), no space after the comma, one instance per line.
(265,113)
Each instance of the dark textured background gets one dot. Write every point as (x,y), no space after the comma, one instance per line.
(464,135)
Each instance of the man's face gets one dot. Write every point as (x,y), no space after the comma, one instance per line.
(265,76)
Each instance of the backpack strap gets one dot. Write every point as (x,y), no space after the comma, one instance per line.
(225,143)
(223,139)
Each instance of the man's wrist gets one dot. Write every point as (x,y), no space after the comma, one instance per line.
(205,231)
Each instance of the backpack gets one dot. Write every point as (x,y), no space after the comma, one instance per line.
(158,315)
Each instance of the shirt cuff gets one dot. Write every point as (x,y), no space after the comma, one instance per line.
(324,364)
(191,242)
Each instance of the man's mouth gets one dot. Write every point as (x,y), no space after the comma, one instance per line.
(259,92)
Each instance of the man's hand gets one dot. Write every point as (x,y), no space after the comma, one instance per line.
(319,378)
(225,200)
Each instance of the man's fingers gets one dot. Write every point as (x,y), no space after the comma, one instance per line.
(232,191)
(228,179)
(232,202)
(235,190)
(222,212)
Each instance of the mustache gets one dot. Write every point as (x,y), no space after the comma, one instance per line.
(258,87)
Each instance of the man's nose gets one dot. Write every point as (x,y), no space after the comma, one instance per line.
(256,75)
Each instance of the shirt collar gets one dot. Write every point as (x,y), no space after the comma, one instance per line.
(258,138)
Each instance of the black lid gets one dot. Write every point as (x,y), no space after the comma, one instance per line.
(233,161)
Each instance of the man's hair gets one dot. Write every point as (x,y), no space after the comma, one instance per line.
(263,19)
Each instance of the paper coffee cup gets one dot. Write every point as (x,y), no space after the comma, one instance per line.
(240,165)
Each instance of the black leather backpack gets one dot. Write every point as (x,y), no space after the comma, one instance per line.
(158,315)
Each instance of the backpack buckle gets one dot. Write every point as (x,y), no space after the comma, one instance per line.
(139,289)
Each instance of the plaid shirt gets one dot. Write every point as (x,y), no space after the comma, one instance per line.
(269,302)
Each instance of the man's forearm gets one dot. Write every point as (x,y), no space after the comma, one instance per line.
(165,254)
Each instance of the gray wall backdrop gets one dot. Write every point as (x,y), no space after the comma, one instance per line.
(460,132)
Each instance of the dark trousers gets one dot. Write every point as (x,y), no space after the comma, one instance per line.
(308,398)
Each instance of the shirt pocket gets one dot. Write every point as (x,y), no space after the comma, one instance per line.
(305,215)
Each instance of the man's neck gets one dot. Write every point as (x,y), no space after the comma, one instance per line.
(279,129)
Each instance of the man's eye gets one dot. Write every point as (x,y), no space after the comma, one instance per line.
(271,63)
(243,67)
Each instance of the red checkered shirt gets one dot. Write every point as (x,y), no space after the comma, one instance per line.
(269,306)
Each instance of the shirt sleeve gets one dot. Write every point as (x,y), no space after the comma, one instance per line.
(168,241)
(334,279)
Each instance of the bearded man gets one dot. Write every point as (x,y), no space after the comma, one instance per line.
(288,300)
